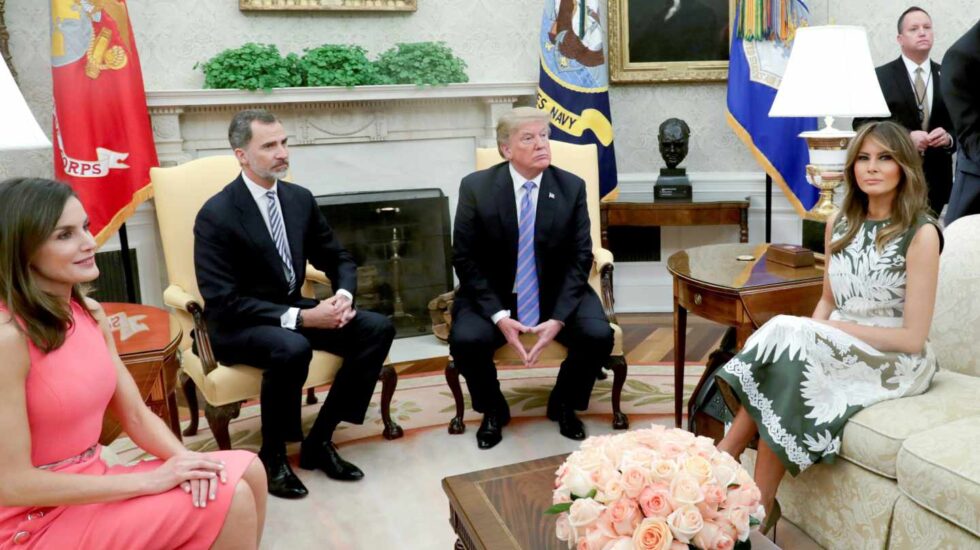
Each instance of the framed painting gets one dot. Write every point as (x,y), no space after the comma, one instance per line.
(327,5)
(669,40)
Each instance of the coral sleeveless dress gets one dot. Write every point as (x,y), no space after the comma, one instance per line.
(67,393)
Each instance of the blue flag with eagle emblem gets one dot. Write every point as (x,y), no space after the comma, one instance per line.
(761,43)
(573,86)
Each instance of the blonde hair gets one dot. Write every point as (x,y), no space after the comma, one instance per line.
(910,199)
(514,119)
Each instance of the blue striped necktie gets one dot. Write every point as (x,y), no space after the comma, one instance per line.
(279,236)
(528,309)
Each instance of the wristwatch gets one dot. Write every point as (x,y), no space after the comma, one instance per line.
(299,319)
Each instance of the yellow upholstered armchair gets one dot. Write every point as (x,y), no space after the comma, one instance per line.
(583,161)
(179,193)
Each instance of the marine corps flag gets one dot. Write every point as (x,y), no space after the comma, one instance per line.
(574,81)
(103,145)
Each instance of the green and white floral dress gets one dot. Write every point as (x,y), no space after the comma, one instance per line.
(801,380)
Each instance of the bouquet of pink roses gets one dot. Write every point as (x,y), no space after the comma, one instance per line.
(654,489)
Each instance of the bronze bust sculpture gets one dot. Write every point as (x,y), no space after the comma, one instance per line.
(673,137)
(673,184)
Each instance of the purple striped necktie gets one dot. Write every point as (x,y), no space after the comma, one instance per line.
(279,237)
(528,310)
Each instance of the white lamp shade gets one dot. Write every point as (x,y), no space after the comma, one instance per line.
(19,130)
(830,73)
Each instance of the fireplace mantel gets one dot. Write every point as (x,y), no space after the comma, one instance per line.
(192,123)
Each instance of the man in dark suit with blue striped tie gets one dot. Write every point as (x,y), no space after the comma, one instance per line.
(522,253)
(251,244)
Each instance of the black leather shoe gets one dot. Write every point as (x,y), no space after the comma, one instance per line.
(325,457)
(283,483)
(489,433)
(569,424)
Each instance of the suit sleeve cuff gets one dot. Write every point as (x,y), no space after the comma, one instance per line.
(288,319)
(345,294)
(502,314)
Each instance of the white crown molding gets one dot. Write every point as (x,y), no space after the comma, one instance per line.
(503,91)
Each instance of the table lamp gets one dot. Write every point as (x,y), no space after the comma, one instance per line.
(20,130)
(829,74)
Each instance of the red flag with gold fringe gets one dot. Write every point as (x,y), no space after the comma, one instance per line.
(103,142)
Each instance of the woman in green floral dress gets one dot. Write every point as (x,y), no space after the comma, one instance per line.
(798,380)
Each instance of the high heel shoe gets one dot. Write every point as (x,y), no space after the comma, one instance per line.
(772,517)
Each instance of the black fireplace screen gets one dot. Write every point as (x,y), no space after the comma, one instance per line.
(400,241)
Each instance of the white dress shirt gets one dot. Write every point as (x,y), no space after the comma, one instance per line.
(926,67)
(288,319)
(519,192)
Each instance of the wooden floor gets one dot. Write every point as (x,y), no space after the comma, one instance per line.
(647,338)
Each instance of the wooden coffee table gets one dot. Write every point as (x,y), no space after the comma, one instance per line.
(503,508)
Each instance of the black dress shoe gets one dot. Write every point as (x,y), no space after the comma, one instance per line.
(283,483)
(569,424)
(489,433)
(325,457)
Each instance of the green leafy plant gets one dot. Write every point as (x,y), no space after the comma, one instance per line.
(421,63)
(338,65)
(251,67)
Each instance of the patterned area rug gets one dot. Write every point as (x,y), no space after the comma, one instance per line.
(424,400)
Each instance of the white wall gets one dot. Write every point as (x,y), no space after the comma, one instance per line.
(497,39)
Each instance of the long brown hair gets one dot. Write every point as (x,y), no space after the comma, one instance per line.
(29,212)
(910,199)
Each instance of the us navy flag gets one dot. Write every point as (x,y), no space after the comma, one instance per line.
(574,81)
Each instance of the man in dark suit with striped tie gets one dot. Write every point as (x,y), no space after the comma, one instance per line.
(251,244)
(912,88)
(522,252)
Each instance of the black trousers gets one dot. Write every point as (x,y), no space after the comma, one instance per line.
(284,356)
(474,339)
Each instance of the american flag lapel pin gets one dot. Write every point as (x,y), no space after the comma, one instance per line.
(551,195)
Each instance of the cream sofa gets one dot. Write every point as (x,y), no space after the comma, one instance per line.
(908,475)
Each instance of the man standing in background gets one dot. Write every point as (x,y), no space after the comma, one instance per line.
(961,90)
(912,89)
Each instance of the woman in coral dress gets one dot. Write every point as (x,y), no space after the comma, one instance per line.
(60,372)
(798,380)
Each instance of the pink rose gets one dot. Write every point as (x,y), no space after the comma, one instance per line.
(746,496)
(684,489)
(678,546)
(560,495)
(724,474)
(713,495)
(704,447)
(698,467)
(583,513)
(595,539)
(652,534)
(640,457)
(708,512)
(655,501)
(739,518)
(712,538)
(663,470)
(672,444)
(685,522)
(563,530)
(611,491)
(624,515)
(634,480)
(622,543)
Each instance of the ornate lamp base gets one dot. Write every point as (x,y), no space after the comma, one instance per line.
(828,153)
